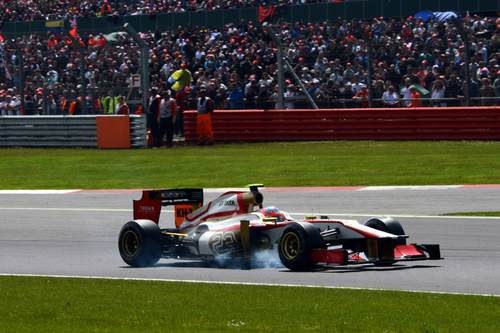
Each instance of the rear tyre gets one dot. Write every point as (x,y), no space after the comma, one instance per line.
(139,243)
(296,244)
(390,225)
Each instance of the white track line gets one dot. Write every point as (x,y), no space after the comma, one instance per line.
(413,188)
(38,191)
(120,210)
(246,284)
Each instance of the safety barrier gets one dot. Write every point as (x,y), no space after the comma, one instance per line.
(459,123)
(138,131)
(61,131)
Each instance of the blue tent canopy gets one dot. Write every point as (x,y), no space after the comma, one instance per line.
(426,15)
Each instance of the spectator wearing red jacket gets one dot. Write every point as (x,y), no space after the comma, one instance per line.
(416,98)
(122,107)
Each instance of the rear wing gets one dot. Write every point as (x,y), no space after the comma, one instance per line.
(176,196)
(149,206)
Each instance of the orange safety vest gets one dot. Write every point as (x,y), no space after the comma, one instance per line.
(62,104)
(72,108)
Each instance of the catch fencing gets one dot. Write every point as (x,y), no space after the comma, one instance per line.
(61,131)
(451,123)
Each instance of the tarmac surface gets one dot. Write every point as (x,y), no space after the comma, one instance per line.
(75,234)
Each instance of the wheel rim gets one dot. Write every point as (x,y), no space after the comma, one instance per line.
(290,245)
(130,243)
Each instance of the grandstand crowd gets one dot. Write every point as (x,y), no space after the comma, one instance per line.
(237,64)
(31,10)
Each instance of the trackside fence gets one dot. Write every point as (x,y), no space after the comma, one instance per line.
(450,123)
(60,131)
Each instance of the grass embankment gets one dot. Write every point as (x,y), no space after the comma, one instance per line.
(79,305)
(274,164)
(487,214)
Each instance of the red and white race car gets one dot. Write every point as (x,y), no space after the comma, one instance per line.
(236,225)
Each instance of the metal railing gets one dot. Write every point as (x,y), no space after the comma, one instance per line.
(48,131)
(61,131)
(138,131)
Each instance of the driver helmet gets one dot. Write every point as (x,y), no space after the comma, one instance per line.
(272,211)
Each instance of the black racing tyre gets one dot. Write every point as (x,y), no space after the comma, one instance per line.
(139,243)
(390,225)
(296,244)
(387,224)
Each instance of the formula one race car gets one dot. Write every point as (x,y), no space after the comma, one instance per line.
(236,225)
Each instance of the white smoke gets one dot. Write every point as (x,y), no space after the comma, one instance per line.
(259,259)
(266,259)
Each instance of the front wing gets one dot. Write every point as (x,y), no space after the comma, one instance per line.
(378,251)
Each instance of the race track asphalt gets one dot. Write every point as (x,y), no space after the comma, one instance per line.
(76,235)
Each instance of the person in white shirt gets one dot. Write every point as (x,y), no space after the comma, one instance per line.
(12,104)
(406,93)
(390,97)
(3,105)
(168,111)
(438,91)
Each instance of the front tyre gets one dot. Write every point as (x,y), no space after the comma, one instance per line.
(139,243)
(296,244)
(390,225)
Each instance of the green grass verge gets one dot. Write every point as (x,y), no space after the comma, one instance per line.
(493,214)
(32,304)
(274,164)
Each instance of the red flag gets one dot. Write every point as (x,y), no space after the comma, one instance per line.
(2,38)
(265,13)
(73,32)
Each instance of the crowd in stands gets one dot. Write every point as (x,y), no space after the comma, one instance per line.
(32,10)
(237,64)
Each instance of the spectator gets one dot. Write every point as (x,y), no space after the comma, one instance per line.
(416,98)
(496,84)
(168,110)
(3,104)
(153,118)
(438,93)
(487,92)
(390,98)
(110,103)
(406,92)
(361,97)
(236,95)
(454,90)
(122,107)
(75,107)
(290,92)
(205,108)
